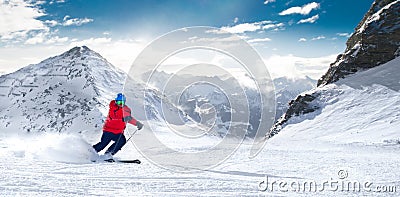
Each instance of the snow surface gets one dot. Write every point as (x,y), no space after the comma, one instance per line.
(55,165)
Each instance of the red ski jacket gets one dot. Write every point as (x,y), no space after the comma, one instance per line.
(117,118)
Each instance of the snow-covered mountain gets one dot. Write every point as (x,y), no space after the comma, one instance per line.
(69,93)
(356,94)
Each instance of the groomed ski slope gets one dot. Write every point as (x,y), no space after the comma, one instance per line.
(37,174)
(353,138)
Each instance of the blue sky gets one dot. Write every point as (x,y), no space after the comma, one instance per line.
(294,32)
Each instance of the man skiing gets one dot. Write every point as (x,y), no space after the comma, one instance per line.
(113,130)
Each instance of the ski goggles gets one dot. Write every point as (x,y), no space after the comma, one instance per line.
(120,102)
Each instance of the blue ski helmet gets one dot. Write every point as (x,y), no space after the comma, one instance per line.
(120,97)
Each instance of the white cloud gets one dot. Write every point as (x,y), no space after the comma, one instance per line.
(249,27)
(45,37)
(302,40)
(229,39)
(241,28)
(318,38)
(344,34)
(304,10)
(36,39)
(120,53)
(236,20)
(259,40)
(15,36)
(298,67)
(309,20)
(268,1)
(19,23)
(245,27)
(18,17)
(91,41)
(40,2)
(75,21)
(244,37)
(13,58)
(275,27)
(51,23)
(57,1)
(56,39)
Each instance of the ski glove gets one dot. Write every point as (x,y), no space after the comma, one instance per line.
(127,119)
(139,125)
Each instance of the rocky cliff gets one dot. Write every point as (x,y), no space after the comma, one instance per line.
(376,40)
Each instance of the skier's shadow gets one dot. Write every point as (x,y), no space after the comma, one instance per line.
(239,173)
(250,174)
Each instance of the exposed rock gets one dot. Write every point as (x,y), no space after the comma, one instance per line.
(287,89)
(376,40)
(302,104)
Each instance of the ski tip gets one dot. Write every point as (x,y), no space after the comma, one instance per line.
(110,160)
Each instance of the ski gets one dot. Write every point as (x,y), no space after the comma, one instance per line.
(137,161)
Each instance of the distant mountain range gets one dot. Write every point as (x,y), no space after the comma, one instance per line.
(70,93)
(215,103)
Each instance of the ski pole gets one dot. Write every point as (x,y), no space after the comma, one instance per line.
(126,140)
(131,135)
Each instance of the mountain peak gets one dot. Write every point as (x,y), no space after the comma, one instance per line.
(376,40)
(62,93)
(80,51)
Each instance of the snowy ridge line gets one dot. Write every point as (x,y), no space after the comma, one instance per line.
(376,16)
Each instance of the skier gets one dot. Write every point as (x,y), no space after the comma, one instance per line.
(113,130)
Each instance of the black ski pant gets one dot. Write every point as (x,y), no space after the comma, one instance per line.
(106,138)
